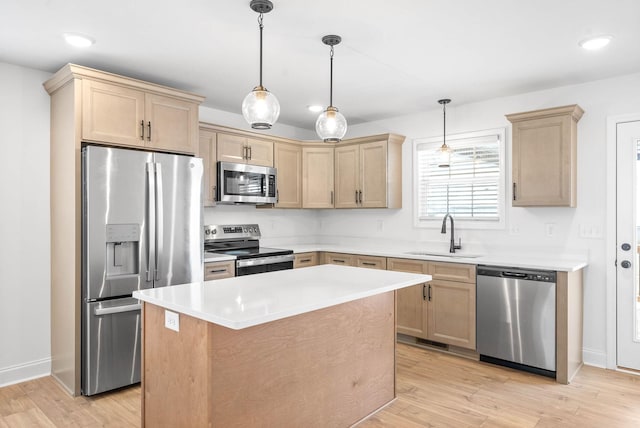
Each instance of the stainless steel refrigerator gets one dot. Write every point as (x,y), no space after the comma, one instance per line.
(141,228)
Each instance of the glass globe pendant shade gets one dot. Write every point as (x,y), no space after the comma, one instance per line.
(260,108)
(331,125)
(444,156)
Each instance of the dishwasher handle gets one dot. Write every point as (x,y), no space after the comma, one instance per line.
(513,275)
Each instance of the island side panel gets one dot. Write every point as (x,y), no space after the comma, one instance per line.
(329,367)
(175,371)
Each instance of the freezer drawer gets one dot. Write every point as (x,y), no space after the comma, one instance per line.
(111,346)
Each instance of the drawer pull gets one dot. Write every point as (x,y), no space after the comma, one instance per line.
(305,260)
(368,264)
(338,261)
(217,270)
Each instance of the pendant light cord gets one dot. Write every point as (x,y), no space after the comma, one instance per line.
(261,27)
(331,78)
(444,125)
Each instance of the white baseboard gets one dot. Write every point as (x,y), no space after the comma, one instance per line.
(594,358)
(23,372)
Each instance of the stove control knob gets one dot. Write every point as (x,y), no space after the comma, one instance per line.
(214,231)
(206,232)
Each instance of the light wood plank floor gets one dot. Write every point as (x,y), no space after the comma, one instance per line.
(434,390)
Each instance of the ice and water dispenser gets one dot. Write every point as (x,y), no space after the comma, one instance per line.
(123,257)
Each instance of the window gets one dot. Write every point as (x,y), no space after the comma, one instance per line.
(471,189)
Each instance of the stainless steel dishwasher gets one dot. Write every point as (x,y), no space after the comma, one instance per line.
(516,318)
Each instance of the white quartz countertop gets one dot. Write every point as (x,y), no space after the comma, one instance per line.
(521,260)
(250,300)
(213,257)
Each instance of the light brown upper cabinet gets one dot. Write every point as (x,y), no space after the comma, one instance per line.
(129,116)
(317,177)
(207,151)
(287,159)
(243,149)
(368,174)
(545,157)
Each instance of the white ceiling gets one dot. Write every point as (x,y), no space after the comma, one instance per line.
(397,57)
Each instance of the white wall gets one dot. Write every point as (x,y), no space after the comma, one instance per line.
(25,349)
(525,229)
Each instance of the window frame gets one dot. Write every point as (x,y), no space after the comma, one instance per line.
(455,140)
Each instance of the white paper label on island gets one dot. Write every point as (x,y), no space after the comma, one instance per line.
(172,320)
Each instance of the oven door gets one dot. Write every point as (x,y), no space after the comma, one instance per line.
(264,264)
(240,183)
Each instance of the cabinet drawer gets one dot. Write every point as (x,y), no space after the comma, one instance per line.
(338,259)
(408,265)
(219,270)
(371,262)
(305,259)
(453,272)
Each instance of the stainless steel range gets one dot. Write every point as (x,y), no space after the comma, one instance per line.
(242,241)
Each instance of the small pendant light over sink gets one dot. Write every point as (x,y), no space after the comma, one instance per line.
(444,150)
(331,124)
(260,107)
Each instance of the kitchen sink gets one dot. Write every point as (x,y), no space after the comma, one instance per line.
(441,254)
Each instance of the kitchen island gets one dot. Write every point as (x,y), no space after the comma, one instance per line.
(305,347)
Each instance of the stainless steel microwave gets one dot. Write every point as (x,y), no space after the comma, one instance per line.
(246,184)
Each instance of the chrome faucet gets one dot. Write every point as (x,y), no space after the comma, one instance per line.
(453,247)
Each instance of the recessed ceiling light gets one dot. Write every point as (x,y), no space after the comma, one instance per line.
(78,40)
(595,43)
(315,108)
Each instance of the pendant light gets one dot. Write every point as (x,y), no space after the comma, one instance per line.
(444,151)
(331,124)
(260,107)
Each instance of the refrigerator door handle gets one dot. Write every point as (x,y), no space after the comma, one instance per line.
(117,309)
(159,220)
(151,220)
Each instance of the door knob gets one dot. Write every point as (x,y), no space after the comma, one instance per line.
(625,264)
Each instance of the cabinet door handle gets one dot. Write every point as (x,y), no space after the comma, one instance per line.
(142,130)
(244,152)
(360,196)
(332,197)
(356,196)
(213,193)
(514,191)
(424,288)
(429,292)
(149,136)
(277,196)
(249,147)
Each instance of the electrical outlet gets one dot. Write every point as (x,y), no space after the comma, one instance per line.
(172,320)
(514,230)
(549,229)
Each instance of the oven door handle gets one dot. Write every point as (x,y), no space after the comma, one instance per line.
(258,261)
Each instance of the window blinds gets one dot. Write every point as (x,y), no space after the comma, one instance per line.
(469,189)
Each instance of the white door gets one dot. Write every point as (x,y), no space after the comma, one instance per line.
(628,285)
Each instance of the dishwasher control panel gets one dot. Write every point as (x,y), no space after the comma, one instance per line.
(517,273)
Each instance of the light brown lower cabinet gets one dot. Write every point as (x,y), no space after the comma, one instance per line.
(358,260)
(219,270)
(441,310)
(338,259)
(305,259)
(411,308)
